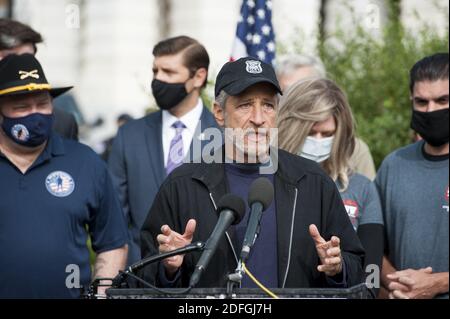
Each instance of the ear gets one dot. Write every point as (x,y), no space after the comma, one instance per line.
(219,114)
(200,77)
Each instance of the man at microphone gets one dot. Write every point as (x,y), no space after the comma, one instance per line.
(305,239)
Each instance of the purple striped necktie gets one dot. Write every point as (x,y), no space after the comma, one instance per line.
(176,148)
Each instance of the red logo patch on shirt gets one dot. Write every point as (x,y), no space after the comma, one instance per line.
(352,209)
(445,207)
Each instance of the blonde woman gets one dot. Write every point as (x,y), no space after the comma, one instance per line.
(316,122)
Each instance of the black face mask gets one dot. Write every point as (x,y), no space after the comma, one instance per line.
(168,95)
(432,126)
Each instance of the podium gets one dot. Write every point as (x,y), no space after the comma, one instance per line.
(356,292)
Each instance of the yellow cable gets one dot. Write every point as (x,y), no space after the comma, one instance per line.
(260,285)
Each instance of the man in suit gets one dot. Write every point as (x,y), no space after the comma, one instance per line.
(18,38)
(145,151)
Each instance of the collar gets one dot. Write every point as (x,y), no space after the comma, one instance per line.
(246,170)
(190,119)
(289,170)
(55,145)
(433,158)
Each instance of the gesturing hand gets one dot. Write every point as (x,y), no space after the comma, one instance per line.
(329,253)
(170,240)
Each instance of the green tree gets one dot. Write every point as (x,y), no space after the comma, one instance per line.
(374,73)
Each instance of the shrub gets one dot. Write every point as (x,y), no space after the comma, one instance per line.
(374,73)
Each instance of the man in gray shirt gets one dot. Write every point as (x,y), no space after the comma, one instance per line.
(414,190)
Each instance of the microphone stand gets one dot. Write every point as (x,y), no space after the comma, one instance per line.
(120,279)
(235,280)
(199,246)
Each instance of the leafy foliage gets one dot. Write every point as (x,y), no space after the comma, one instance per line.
(374,73)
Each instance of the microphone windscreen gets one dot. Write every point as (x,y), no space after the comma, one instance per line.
(235,204)
(261,191)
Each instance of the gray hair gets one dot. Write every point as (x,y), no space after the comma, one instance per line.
(290,63)
(222,98)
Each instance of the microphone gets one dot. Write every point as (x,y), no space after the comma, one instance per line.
(259,199)
(231,209)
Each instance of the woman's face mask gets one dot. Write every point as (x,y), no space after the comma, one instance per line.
(317,149)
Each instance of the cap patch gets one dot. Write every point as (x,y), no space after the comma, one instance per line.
(253,67)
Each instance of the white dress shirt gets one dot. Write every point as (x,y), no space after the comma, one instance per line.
(190,120)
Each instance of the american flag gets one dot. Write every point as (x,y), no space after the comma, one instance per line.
(255,36)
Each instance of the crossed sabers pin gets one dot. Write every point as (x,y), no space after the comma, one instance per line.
(32,74)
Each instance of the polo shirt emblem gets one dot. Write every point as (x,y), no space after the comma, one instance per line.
(60,184)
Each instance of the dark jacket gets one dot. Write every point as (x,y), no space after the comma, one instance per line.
(136,163)
(304,195)
(65,124)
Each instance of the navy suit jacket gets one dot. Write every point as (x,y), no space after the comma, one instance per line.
(137,167)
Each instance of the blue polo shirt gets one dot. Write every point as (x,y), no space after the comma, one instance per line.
(45,217)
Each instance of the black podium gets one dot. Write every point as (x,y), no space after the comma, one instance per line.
(357,292)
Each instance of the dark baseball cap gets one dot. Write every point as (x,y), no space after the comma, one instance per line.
(237,76)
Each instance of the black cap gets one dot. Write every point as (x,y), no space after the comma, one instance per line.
(22,74)
(235,77)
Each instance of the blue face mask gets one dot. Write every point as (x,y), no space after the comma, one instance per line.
(30,131)
(318,150)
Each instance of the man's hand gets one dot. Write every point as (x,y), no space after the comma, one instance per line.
(329,253)
(170,240)
(421,284)
(386,269)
